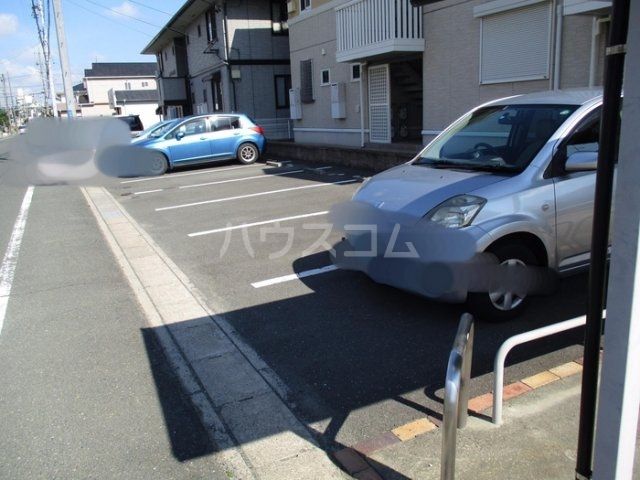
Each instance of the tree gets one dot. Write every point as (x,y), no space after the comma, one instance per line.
(4,118)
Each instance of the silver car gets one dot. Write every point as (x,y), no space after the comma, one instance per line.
(512,180)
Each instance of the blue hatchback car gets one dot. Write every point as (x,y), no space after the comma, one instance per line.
(205,138)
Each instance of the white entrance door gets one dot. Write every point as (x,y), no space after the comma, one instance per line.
(379,104)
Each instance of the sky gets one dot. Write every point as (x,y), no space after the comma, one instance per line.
(97,30)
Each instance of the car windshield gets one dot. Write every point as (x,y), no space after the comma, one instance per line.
(498,138)
(161,128)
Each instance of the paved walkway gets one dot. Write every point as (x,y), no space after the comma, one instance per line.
(537,441)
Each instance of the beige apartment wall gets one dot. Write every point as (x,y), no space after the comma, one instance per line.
(313,36)
(452,62)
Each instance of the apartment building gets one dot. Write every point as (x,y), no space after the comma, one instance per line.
(393,71)
(225,56)
(120,88)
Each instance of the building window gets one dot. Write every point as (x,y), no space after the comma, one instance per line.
(356,72)
(283,85)
(305,4)
(199,31)
(325,77)
(212,32)
(516,44)
(279,24)
(204,95)
(306,81)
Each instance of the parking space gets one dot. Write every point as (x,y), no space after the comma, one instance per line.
(359,358)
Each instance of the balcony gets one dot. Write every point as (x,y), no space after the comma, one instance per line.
(366,29)
(172,89)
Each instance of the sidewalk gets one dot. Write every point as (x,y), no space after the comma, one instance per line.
(536,441)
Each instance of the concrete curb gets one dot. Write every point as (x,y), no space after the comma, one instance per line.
(241,401)
(353,459)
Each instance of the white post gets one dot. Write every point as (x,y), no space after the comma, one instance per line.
(619,396)
(63,53)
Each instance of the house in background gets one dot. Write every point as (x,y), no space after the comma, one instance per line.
(384,71)
(103,86)
(231,56)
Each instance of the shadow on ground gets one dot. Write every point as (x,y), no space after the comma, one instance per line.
(352,344)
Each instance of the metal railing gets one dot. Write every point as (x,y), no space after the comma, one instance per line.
(505,348)
(456,394)
(276,128)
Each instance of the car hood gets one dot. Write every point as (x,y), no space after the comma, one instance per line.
(141,142)
(414,190)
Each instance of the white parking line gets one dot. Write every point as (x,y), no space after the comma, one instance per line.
(239,197)
(8,268)
(255,224)
(241,179)
(199,172)
(294,276)
(149,191)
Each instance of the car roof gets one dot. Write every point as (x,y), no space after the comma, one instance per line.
(235,114)
(552,97)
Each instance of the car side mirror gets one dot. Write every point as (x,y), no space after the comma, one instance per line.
(581,162)
(179,135)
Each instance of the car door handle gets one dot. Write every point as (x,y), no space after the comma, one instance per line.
(203,138)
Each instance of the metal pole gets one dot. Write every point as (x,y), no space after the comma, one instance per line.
(456,396)
(619,396)
(64,58)
(49,65)
(614,66)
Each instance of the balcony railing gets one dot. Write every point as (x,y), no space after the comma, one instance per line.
(372,28)
(172,89)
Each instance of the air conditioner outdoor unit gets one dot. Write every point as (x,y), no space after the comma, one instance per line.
(291,7)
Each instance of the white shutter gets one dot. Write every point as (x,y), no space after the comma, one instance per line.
(516,44)
(379,105)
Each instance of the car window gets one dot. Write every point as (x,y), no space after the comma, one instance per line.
(586,137)
(220,123)
(193,127)
(496,138)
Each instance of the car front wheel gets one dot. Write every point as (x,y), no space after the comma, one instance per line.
(503,305)
(248,153)
(159,164)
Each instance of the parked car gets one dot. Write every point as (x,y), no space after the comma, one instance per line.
(206,138)
(22,129)
(134,123)
(514,178)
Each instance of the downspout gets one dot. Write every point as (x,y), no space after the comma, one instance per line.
(362,65)
(558,48)
(595,32)
(225,29)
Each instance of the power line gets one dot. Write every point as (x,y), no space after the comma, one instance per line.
(108,18)
(112,10)
(150,8)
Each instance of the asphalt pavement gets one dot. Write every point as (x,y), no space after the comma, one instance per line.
(86,391)
(359,358)
(89,392)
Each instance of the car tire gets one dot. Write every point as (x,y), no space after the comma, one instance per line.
(159,164)
(248,153)
(499,307)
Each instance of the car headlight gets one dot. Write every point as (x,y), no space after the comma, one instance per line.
(457,212)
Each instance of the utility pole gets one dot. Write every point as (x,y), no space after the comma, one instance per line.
(63,53)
